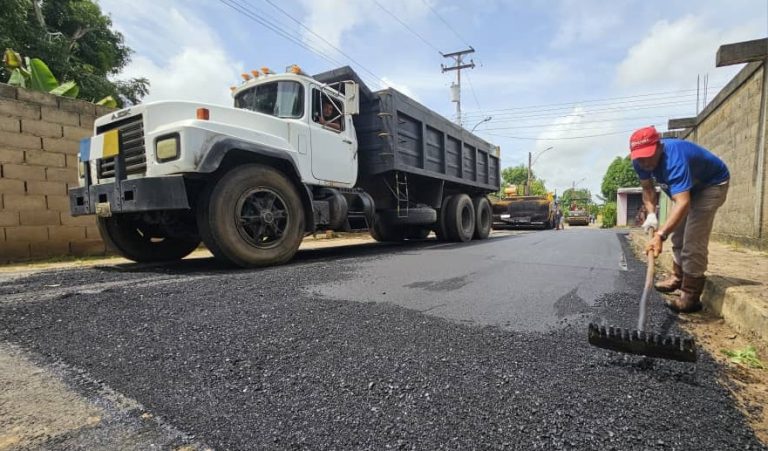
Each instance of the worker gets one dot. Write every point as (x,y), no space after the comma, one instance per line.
(329,116)
(697,182)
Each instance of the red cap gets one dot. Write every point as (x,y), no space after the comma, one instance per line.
(643,142)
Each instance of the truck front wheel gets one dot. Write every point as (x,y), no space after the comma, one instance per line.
(251,217)
(141,242)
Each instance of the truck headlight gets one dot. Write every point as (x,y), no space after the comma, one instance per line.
(167,147)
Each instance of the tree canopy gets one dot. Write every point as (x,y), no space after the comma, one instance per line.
(581,196)
(518,176)
(620,174)
(77,42)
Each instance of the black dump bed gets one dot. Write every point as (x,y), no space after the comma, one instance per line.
(397,133)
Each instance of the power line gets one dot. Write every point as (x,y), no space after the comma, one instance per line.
(382,82)
(564,138)
(523,117)
(472,89)
(602,121)
(446,23)
(246,12)
(569,110)
(581,102)
(406,26)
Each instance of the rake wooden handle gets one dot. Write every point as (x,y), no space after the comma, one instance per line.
(648,285)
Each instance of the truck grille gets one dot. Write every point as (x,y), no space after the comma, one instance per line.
(131,147)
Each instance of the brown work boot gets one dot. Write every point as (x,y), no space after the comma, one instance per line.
(672,282)
(690,298)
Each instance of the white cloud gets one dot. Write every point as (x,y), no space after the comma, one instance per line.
(675,52)
(332,18)
(582,146)
(404,88)
(583,21)
(188,62)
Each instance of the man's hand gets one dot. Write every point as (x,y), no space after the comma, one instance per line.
(651,221)
(655,245)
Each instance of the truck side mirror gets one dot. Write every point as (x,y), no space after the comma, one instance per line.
(351,98)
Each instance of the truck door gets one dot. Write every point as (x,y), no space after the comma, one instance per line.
(333,152)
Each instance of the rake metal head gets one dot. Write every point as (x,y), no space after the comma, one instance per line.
(642,343)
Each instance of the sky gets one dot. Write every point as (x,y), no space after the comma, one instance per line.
(567,80)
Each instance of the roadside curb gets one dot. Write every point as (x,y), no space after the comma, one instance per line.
(737,301)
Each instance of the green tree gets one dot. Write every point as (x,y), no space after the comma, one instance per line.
(582,197)
(75,40)
(518,176)
(620,174)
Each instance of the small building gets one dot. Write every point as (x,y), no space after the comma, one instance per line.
(630,200)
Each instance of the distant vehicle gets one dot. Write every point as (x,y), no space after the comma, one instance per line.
(524,211)
(295,155)
(579,216)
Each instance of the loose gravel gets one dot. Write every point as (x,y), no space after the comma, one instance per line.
(254,360)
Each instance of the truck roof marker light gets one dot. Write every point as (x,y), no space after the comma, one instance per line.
(294,69)
(265,70)
(255,73)
(203,114)
(245,76)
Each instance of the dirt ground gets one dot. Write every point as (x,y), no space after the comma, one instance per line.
(749,386)
(36,407)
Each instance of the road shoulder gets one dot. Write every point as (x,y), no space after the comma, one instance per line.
(735,317)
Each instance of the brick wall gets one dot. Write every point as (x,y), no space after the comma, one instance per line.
(729,127)
(39,142)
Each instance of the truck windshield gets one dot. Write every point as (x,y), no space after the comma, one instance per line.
(281,99)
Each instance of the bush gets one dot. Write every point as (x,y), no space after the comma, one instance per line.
(609,215)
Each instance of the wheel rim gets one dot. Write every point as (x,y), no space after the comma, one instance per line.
(261,217)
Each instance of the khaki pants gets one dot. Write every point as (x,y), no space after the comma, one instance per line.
(690,240)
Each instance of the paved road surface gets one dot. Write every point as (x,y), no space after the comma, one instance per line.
(422,346)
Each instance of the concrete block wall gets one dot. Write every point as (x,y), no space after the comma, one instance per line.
(729,127)
(39,142)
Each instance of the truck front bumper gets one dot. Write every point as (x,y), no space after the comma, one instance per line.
(130,195)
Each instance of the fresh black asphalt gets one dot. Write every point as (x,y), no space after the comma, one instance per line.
(315,354)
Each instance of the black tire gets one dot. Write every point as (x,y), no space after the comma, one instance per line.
(386,233)
(441,231)
(483,217)
(416,216)
(460,218)
(136,240)
(252,216)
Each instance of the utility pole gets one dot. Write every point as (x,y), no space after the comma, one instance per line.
(528,180)
(458,58)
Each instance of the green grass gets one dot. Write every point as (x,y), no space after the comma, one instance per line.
(747,357)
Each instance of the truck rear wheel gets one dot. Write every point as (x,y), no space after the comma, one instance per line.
(483,217)
(460,218)
(251,217)
(138,241)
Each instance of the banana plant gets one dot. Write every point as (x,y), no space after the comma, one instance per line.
(34,74)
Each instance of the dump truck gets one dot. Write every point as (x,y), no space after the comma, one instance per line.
(296,154)
(524,211)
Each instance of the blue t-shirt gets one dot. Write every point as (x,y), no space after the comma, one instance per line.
(685,166)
